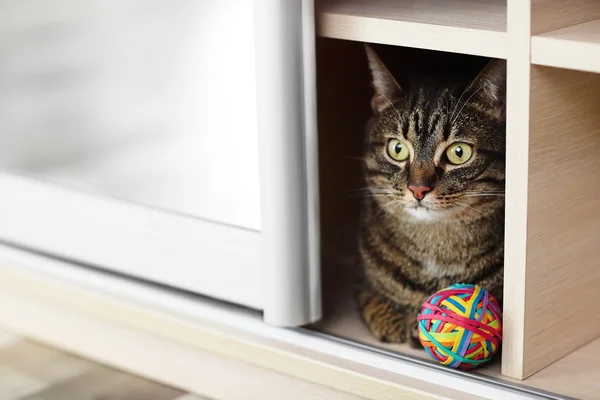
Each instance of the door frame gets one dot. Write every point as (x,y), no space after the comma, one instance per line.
(288,160)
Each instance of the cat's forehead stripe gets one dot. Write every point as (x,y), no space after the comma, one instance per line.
(413,121)
(404,128)
(424,120)
(434,121)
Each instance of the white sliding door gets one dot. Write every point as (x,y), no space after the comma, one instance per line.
(147,101)
(129,141)
(128,138)
(288,159)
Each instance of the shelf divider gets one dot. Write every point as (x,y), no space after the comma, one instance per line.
(563,240)
(517,144)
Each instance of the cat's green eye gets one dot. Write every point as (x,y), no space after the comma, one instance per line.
(398,150)
(459,153)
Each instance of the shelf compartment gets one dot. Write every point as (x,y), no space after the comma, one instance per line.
(576,47)
(343,320)
(459,26)
(344,94)
(575,375)
(560,275)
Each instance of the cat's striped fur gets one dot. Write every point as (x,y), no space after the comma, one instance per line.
(411,248)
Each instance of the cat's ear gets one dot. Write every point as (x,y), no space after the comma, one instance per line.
(489,88)
(386,87)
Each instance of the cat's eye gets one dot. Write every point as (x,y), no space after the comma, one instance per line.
(398,150)
(459,153)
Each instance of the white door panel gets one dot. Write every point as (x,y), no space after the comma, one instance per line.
(144,100)
(213,259)
(129,141)
(288,160)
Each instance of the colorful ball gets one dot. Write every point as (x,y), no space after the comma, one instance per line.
(461,326)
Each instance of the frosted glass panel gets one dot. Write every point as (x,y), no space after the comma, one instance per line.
(150,101)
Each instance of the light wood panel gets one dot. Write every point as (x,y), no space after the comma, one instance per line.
(517,144)
(547,15)
(460,26)
(536,270)
(576,375)
(575,47)
(563,236)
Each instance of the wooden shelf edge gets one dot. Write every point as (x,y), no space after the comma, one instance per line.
(575,47)
(567,54)
(411,34)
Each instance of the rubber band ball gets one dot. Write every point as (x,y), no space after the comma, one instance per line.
(461,326)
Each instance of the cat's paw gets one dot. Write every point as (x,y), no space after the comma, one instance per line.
(414,341)
(386,321)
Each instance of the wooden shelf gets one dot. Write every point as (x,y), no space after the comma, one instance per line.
(342,318)
(575,376)
(475,27)
(576,47)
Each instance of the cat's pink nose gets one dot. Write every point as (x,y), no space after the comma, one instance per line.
(419,191)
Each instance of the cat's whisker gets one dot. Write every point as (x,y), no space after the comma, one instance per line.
(398,204)
(370,194)
(389,202)
(370,190)
(465,103)
(484,194)
(397,113)
(383,207)
(376,193)
(467,206)
(367,196)
(479,213)
(499,191)
(482,191)
(458,104)
(373,188)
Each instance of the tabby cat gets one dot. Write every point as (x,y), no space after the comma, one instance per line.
(434,215)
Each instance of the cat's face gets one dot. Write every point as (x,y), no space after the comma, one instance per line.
(433,153)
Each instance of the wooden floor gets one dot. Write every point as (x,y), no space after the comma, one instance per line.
(31,371)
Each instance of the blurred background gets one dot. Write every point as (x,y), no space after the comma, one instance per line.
(143,100)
